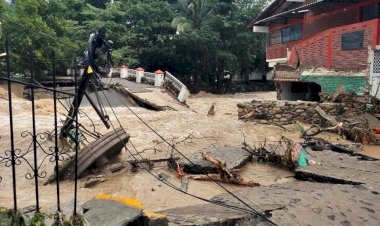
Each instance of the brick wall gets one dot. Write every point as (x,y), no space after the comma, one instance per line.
(352,59)
(276,51)
(316,24)
(325,49)
(313,53)
(279,51)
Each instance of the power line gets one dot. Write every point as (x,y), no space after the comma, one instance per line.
(278,142)
(220,185)
(173,186)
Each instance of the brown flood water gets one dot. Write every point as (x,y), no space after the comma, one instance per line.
(372,150)
(223,128)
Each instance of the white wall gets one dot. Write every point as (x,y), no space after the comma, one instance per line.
(256,75)
(270,75)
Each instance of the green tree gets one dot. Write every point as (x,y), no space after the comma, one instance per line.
(38,24)
(195,39)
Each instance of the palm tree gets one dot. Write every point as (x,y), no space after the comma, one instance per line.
(195,12)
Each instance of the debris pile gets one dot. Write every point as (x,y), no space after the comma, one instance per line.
(317,160)
(232,158)
(357,129)
(224,163)
(220,163)
(332,163)
(287,112)
(342,113)
(98,154)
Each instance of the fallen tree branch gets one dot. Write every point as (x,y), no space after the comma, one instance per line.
(216,162)
(358,131)
(227,176)
(337,128)
(324,115)
(248,115)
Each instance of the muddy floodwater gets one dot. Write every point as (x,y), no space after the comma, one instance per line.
(175,125)
(372,150)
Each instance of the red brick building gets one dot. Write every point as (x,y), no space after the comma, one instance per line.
(318,45)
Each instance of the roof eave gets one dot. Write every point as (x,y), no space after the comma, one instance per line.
(260,22)
(266,10)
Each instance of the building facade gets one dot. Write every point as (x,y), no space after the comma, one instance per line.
(320,45)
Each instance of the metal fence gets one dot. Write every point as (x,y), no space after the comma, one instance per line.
(42,147)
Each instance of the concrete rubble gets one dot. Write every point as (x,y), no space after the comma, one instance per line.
(233,157)
(209,214)
(311,203)
(118,211)
(340,168)
(98,154)
(335,188)
(108,212)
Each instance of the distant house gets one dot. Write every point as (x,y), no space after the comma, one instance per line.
(318,45)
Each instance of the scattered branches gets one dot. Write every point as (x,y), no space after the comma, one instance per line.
(225,175)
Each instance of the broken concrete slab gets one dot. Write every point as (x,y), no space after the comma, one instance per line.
(310,203)
(208,214)
(108,146)
(372,120)
(142,102)
(154,220)
(354,149)
(133,86)
(108,212)
(337,167)
(341,165)
(233,157)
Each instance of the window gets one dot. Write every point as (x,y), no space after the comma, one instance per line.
(275,38)
(371,12)
(288,34)
(292,33)
(353,40)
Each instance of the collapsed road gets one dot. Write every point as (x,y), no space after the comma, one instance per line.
(339,198)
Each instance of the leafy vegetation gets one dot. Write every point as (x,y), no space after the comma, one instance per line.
(197,40)
(38,219)
(7,217)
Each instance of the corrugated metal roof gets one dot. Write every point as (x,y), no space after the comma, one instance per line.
(289,12)
(269,13)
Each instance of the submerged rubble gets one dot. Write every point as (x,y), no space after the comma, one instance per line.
(338,185)
(233,157)
(97,153)
(346,118)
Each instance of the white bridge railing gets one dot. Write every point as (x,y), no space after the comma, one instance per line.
(180,89)
(131,73)
(150,77)
(168,81)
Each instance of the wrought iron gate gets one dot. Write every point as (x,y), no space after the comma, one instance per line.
(42,147)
